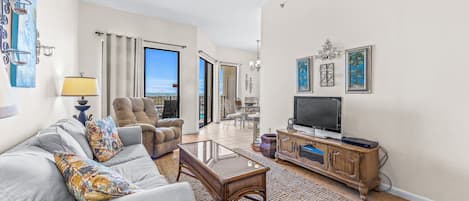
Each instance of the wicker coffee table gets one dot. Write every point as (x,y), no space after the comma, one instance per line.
(226,174)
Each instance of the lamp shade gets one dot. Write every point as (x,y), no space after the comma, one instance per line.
(79,86)
(7,106)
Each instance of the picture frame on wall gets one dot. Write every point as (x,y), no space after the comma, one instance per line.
(19,39)
(304,75)
(358,70)
(327,75)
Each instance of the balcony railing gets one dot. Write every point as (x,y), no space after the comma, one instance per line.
(159,103)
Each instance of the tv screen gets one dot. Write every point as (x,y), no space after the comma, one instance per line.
(318,112)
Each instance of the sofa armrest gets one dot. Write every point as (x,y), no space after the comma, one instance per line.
(130,135)
(173,192)
(170,123)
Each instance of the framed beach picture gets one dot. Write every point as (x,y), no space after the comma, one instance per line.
(358,64)
(304,75)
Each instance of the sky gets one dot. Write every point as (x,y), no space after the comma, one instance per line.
(161,71)
(201,77)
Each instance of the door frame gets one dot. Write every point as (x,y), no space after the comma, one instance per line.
(145,47)
(205,91)
(237,88)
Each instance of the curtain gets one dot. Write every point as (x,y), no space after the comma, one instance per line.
(122,70)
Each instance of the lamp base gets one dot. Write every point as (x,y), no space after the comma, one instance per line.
(82,101)
(82,116)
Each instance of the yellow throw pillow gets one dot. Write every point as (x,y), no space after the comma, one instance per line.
(103,138)
(88,180)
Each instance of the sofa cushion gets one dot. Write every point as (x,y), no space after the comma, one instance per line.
(30,174)
(89,180)
(55,139)
(78,131)
(103,138)
(128,153)
(142,172)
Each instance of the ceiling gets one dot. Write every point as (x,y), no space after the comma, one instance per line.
(228,23)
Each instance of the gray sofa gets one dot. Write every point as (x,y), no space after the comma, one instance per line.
(28,171)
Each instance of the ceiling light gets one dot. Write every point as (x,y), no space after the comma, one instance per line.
(256,65)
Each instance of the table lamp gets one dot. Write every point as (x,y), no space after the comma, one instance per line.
(7,105)
(80,86)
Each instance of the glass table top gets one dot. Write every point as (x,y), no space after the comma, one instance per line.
(221,160)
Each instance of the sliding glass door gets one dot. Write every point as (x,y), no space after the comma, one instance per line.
(162,81)
(205,92)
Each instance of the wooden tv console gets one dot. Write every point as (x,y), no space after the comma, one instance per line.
(354,166)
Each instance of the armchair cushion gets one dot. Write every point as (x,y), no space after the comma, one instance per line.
(124,113)
(170,123)
(166,134)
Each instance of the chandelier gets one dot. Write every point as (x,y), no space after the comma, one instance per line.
(328,51)
(256,65)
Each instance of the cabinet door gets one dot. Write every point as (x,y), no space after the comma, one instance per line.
(317,157)
(286,145)
(344,163)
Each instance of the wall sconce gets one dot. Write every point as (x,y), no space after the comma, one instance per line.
(43,49)
(20,7)
(16,57)
(328,51)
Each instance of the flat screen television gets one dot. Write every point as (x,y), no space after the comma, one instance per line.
(318,112)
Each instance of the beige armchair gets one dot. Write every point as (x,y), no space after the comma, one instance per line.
(159,136)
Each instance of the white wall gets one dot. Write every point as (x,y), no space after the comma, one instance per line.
(419,106)
(93,18)
(228,55)
(41,106)
(209,54)
(205,44)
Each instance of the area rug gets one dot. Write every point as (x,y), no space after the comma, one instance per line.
(282,185)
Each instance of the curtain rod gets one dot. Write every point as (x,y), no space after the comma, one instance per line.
(99,33)
(207,55)
(230,63)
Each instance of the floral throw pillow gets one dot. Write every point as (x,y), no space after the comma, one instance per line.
(103,138)
(88,180)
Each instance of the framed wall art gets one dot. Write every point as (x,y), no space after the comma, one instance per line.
(304,75)
(358,66)
(327,75)
(19,38)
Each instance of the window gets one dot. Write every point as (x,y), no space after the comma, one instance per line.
(162,81)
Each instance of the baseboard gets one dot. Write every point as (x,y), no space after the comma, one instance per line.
(404,194)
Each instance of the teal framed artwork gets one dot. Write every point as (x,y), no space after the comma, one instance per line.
(304,74)
(19,38)
(358,66)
